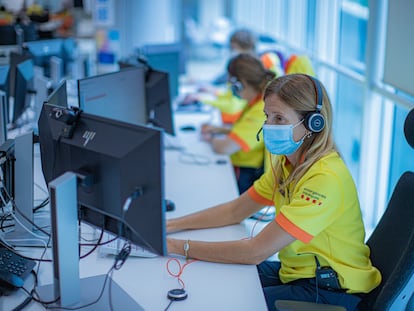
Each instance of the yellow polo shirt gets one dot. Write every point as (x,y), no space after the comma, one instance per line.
(231,107)
(244,131)
(322,212)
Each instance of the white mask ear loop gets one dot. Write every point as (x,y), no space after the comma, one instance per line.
(299,123)
(306,135)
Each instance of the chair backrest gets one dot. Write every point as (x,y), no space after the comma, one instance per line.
(392,242)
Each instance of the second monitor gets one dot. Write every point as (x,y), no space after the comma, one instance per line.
(135,94)
(117,95)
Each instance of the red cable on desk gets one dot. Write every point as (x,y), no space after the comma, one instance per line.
(180,269)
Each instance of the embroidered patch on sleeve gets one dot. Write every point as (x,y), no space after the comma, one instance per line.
(312,196)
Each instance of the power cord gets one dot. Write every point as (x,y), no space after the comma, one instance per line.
(119,261)
(29,298)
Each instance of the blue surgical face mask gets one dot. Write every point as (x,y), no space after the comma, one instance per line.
(278,139)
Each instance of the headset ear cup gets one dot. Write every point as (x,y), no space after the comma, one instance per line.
(315,122)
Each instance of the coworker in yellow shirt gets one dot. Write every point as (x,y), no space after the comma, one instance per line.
(318,219)
(231,107)
(248,78)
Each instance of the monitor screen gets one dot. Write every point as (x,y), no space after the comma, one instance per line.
(22,85)
(117,95)
(114,158)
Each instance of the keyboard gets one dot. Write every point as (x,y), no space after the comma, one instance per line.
(114,247)
(13,268)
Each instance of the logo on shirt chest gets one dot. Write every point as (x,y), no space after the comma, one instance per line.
(312,196)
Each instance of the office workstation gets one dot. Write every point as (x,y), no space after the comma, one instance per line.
(196,171)
(188,175)
(185,165)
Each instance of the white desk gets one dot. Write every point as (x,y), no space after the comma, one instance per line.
(210,286)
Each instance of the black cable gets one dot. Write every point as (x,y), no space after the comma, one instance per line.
(122,256)
(5,218)
(111,306)
(171,301)
(23,304)
(98,243)
(46,304)
(44,203)
(24,216)
(29,298)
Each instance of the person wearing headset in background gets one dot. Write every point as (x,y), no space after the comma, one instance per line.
(318,224)
(231,107)
(248,78)
(245,41)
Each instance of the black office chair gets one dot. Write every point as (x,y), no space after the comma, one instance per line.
(392,249)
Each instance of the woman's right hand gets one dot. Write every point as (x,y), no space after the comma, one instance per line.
(207,132)
(190,99)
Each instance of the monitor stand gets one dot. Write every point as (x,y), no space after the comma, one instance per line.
(3,118)
(73,291)
(25,233)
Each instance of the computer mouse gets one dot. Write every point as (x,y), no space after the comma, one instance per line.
(188,128)
(221,161)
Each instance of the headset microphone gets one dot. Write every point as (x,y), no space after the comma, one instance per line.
(258,134)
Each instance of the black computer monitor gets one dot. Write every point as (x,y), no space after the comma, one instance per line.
(166,57)
(14,60)
(157,96)
(23,85)
(117,95)
(159,105)
(118,159)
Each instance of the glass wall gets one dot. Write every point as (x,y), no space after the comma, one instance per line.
(368,125)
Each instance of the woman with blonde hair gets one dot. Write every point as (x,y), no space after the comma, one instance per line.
(318,230)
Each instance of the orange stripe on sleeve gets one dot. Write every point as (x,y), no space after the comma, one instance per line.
(289,63)
(230,117)
(239,141)
(292,229)
(257,197)
(267,62)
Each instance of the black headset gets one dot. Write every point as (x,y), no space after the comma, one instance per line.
(314,121)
